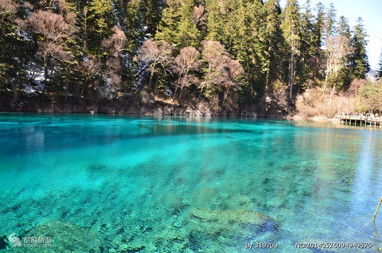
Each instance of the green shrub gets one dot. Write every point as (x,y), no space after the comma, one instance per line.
(370,98)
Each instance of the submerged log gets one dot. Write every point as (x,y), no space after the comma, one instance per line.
(376,210)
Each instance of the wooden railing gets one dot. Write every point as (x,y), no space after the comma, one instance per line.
(361,120)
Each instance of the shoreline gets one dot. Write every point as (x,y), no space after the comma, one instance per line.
(155,115)
(316,119)
(153,108)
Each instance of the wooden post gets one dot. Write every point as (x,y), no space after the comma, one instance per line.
(376,211)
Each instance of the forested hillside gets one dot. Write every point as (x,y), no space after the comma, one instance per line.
(221,56)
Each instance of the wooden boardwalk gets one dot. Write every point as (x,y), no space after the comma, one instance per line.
(361,120)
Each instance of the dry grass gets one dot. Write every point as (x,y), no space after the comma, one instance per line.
(316,103)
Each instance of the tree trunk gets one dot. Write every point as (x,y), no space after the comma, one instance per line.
(183,84)
(327,72)
(200,94)
(85,29)
(15,97)
(225,95)
(326,82)
(175,92)
(66,94)
(291,77)
(268,77)
(180,93)
(45,73)
(332,94)
(376,211)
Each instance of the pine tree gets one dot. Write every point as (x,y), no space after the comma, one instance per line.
(309,50)
(100,21)
(83,24)
(317,36)
(330,22)
(188,34)
(215,21)
(14,52)
(319,25)
(359,60)
(152,14)
(343,27)
(292,35)
(177,26)
(133,15)
(140,21)
(245,38)
(168,26)
(274,40)
(345,76)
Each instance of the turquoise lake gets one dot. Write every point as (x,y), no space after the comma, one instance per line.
(138,184)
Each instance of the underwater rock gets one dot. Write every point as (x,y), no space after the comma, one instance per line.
(268,226)
(230,216)
(217,222)
(65,238)
(3,242)
(205,225)
(97,167)
(137,246)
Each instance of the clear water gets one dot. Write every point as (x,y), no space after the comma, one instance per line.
(178,185)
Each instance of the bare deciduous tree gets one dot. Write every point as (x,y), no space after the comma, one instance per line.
(51,26)
(198,15)
(337,48)
(185,62)
(56,50)
(154,54)
(115,44)
(64,10)
(53,31)
(90,69)
(223,72)
(8,6)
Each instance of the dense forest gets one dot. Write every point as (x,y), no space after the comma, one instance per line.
(226,56)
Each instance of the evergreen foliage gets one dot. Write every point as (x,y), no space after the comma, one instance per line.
(293,36)
(359,61)
(219,51)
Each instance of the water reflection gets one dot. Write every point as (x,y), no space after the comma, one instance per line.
(364,170)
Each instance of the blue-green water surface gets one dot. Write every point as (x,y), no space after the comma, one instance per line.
(178,185)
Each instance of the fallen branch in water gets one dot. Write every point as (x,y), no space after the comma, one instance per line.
(376,211)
